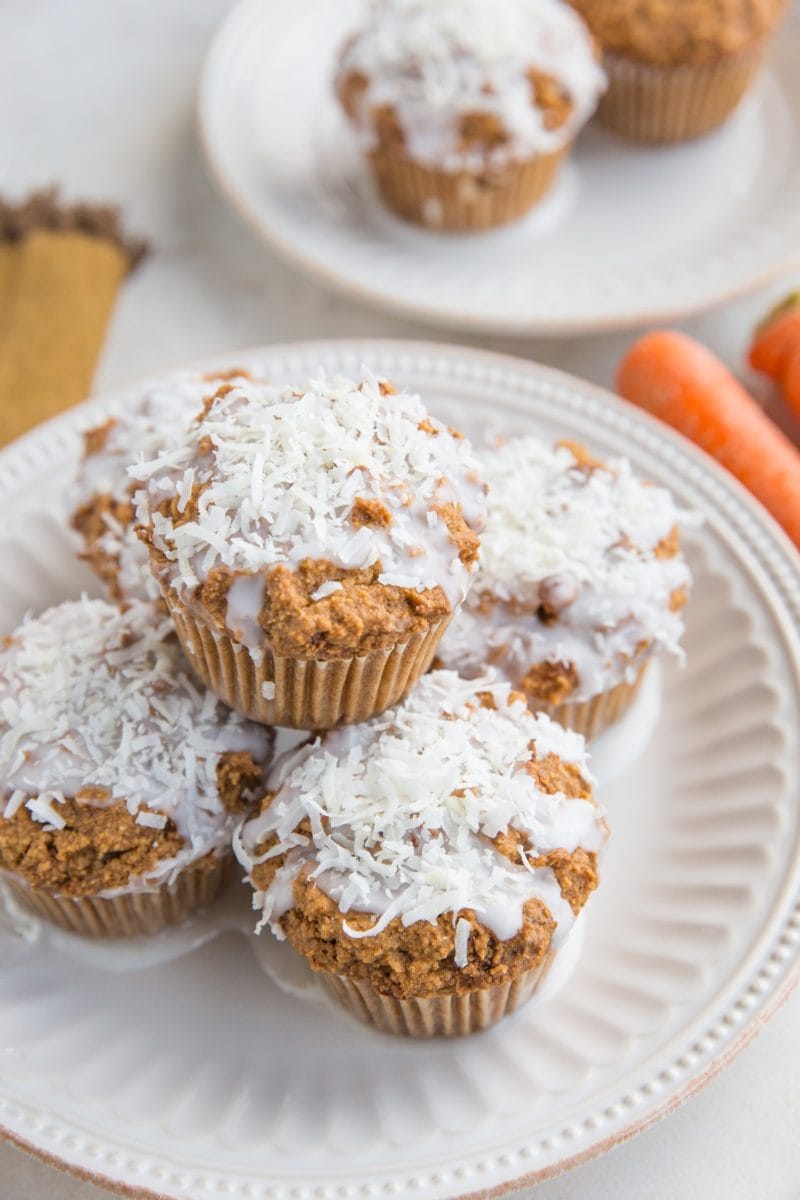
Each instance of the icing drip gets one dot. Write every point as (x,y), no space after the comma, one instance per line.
(244,603)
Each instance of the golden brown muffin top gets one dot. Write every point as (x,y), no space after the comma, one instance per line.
(580,575)
(99,845)
(114,765)
(322,521)
(441,848)
(679,32)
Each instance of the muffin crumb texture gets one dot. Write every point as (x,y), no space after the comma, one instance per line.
(96,850)
(674,33)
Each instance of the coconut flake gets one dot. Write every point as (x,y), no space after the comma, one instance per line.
(41,809)
(152,820)
(326,589)
(14,804)
(462,941)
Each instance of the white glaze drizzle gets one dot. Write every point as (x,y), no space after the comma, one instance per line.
(585,542)
(281,480)
(432,61)
(91,696)
(402,809)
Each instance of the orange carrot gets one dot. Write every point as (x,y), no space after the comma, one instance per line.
(682,383)
(776,349)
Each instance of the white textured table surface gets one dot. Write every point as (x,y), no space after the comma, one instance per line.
(99,96)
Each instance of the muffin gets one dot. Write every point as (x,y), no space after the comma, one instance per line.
(465,110)
(431,863)
(677,70)
(581,582)
(103,495)
(122,781)
(312,545)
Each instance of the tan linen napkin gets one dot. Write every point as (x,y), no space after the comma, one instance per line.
(60,270)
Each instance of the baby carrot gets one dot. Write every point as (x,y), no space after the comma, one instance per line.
(776,349)
(678,380)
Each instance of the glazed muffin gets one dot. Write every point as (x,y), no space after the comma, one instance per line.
(431,863)
(103,496)
(312,545)
(121,779)
(581,582)
(677,69)
(465,110)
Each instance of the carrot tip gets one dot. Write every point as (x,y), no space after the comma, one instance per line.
(787,305)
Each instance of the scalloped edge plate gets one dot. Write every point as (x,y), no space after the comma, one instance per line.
(746,997)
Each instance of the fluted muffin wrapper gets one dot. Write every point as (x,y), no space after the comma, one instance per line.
(650,103)
(304,693)
(594,716)
(436,1016)
(462,201)
(126,914)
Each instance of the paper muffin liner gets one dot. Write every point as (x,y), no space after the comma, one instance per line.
(650,103)
(436,1016)
(303,693)
(462,201)
(592,717)
(128,914)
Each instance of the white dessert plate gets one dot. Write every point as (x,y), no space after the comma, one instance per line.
(187,1066)
(630,235)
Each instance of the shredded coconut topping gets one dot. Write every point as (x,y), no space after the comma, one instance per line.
(434,61)
(277,471)
(568,570)
(162,414)
(402,811)
(92,697)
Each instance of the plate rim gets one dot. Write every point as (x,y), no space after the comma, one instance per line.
(597,1150)
(312,268)
(74,419)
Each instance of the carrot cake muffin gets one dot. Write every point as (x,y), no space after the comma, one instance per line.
(580,582)
(677,68)
(431,862)
(312,544)
(465,109)
(103,497)
(121,779)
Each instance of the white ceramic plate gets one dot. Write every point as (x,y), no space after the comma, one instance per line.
(630,235)
(178,1067)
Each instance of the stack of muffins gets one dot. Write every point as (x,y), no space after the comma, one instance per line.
(431,843)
